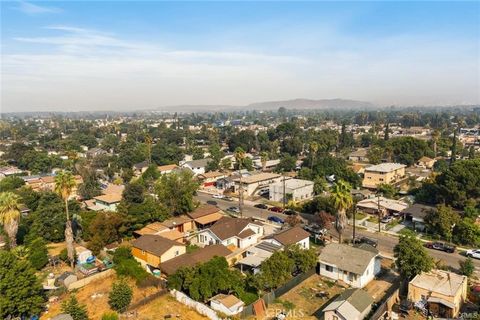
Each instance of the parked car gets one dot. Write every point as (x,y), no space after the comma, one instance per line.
(372,242)
(276,209)
(264,192)
(441,246)
(315,229)
(474,253)
(275,219)
(290,212)
(233,209)
(211,202)
(228,198)
(387,219)
(261,206)
(218,196)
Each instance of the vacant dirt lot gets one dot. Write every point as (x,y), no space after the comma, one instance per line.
(95,297)
(305,299)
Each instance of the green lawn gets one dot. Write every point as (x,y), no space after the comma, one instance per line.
(373,219)
(360,216)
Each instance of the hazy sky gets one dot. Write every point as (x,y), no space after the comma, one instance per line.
(120,55)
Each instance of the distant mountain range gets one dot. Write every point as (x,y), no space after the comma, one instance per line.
(301,104)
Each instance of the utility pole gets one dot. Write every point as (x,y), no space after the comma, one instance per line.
(284,191)
(354,221)
(240,194)
(379,213)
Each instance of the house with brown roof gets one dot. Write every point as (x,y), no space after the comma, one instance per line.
(232,233)
(176,228)
(292,236)
(105,202)
(209,179)
(206,215)
(167,168)
(196,257)
(152,250)
(442,292)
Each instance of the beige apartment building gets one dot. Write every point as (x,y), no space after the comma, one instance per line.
(390,173)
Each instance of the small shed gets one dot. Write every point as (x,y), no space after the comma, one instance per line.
(65,279)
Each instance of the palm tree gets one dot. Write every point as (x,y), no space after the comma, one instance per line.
(239,158)
(342,200)
(10,215)
(435,136)
(64,185)
(313,150)
(264,159)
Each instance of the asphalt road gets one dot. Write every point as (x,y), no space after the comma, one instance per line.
(386,242)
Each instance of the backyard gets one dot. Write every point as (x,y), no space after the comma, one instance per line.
(95,297)
(305,299)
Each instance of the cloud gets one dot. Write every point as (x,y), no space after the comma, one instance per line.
(34,9)
(90,69)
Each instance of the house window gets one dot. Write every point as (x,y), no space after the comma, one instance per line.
(328,268)
(177,253)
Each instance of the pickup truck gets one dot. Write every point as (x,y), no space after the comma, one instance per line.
(440,246)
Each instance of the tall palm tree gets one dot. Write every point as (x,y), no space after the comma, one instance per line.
(313,150)
(342,200)
(240,158)
(10,215)
(264,159)
(435,136)
(64,185)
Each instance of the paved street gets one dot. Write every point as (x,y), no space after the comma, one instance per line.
(386,242)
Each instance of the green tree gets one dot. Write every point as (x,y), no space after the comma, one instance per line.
(110,316)
(21,291)
(120,296)
(287,163)
(176,190)
(387,190)
(442,221)
(38,256)
(10,215)
(467,267)
(134,193)
(72,307)
(375,154)
(64,186)
(342,200)
(90,187)
(466,232)
(48,220)
(104,229)
(275,271)
(304,259)
(411,258)
(11,183)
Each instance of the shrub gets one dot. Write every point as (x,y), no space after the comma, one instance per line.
(110,316)
(76,310)
(38,256)
(120,297)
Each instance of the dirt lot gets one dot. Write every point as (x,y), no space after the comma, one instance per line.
(95,296)
(303,301)
(377,287)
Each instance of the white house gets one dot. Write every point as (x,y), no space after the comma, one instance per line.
(196,166)
(295,235)
(356,266)
(255,255)
(227,304)
(228,231)
(106,202)
(293,189)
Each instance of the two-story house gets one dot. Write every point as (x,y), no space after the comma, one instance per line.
(152,250)
(232,232)
(389,173)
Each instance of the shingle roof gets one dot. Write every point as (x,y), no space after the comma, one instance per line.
(191,259)
(154,244)
(197,163)
(385,167)
(259,177)
(203,211)
(109,198)
(357,298)
(228,227)
(291,236)
(346,257)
